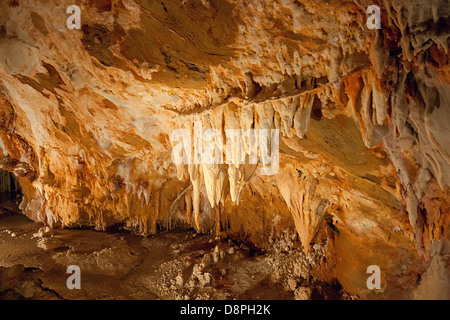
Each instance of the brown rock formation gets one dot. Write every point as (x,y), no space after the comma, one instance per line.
(86,119)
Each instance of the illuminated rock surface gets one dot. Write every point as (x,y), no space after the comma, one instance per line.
(364,115)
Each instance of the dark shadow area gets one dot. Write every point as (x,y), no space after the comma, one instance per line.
(10,193)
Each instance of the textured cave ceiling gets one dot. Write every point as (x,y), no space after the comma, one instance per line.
(86,117)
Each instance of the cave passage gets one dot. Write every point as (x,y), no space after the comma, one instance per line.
(9,189)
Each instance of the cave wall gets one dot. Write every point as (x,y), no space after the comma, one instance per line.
(86,118)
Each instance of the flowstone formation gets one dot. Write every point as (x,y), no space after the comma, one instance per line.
(363,116)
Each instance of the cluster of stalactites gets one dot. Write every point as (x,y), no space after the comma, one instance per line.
(236,157)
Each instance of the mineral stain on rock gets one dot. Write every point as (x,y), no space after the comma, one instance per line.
(97,41)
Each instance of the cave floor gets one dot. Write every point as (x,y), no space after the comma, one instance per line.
(122,265)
